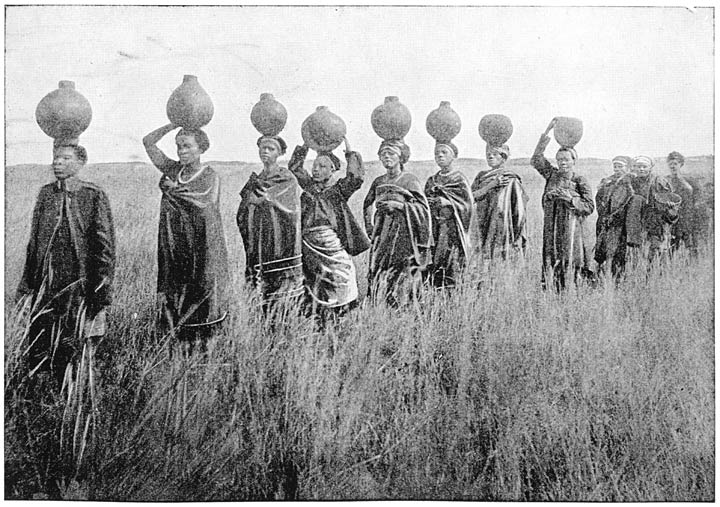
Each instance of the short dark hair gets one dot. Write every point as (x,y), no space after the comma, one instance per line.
(676,155)
(200,136)
(80,151)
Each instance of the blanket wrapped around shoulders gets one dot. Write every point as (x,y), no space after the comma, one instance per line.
(269,221)
(501,218)
(192,255)
(400,238)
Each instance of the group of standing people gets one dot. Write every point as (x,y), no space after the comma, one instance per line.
(300,235)
(638,208)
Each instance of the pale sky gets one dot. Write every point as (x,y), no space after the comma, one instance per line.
(641,79)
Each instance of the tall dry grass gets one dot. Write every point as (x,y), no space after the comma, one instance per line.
(498,390)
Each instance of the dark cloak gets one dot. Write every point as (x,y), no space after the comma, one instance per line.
(450,201)
(192,256)
(269,221)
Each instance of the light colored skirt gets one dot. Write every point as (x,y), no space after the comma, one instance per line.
(330,277)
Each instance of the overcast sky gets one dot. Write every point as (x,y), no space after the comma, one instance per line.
(641,79)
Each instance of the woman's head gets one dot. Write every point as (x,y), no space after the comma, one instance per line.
(642,165)
(270,148)
(323,167)
(190,145)
(621,164)
(445,153)
(496,155)
(566,158)
(393,153)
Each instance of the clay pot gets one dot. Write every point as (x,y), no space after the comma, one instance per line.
(391,120)
(568,131)
(495,129)
(64,113)
(443,123)
(268,116)
(323,130)
(189,106)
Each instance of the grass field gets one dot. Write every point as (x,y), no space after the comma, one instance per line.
(499,391)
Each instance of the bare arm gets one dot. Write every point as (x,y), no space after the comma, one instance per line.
(538,160)
(353,179)
(296,164)
(157,157)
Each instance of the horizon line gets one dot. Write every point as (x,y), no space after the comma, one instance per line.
(218,161)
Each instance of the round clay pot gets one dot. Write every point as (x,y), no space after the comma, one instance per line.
(323,130)
(391,120)
(443,123)
(568,131)
(495,129)
(189,106)
(64,113)
(268,116)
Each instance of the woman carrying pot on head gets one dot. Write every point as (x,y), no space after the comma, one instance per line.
(611,200)
(567,200)
(399,226)
(500,207)
(269,221)
(330,233)
(192,257)
(448,194)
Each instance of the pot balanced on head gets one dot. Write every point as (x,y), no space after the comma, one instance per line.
(500,198)
(397,215)
(567,200)
(450,200)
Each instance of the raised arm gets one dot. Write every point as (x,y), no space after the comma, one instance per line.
(538,160)
(355,173)
(296,166)
(157,157)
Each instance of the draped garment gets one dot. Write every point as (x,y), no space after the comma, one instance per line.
(330,276)
(501,215)
(401,240)
(564,251)
(268,218)
(648,218)
(611,200)
(692,216)
(450,201)
(193,269)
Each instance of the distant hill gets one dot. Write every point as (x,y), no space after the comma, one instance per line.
(697,165)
